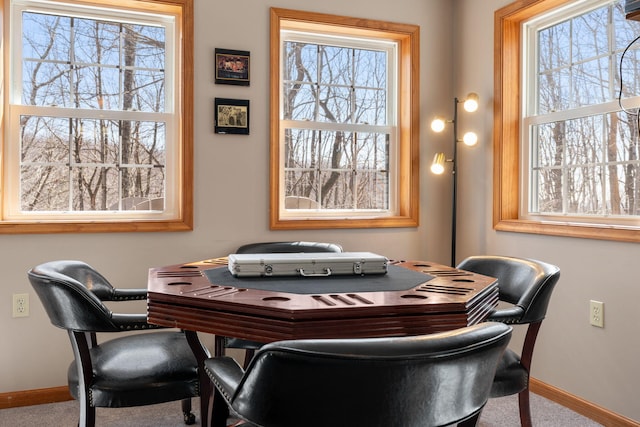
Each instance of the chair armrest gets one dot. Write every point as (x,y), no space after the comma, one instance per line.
(132,321)
(129,294)
(510,315)
(225,373)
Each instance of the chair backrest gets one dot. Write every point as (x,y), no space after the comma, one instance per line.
(525,283)
(288,247)
(430,380)
(70,293)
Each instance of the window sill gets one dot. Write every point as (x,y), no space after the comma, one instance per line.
(310,224)
(8,227)
(586,231)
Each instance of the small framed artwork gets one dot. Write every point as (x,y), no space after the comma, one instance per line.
(232,67)
(231,116)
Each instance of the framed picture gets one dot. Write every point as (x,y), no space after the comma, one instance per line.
(231,116)
(232,67)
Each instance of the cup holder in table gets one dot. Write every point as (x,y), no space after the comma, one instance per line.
(275,299)
(413,296)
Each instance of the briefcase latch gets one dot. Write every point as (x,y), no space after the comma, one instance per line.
(357,268)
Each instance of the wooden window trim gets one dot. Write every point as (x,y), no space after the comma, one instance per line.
(506,130)
(184,218)
(408,170)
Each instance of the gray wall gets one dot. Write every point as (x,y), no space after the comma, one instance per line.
(598,365)
(231,207)
(231,185)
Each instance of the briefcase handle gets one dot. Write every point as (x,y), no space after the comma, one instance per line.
(327,272)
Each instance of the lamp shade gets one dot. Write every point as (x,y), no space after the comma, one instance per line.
(470,139)
(471,102)
(437,166)
(437,125)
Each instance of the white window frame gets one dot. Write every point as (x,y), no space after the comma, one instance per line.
(177,214)
(530,117)
(405,199)
(391,129)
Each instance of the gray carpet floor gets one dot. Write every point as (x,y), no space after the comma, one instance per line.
(501,412)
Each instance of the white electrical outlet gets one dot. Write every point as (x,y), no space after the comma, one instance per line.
(596,313)
(20,305)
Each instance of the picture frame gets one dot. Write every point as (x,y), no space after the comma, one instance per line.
(232,67)
(231,116)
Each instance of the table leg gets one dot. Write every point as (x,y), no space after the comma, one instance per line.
(201,353)
(219,346)
(219,411)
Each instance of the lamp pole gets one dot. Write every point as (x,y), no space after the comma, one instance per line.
(437,167)
(454,206)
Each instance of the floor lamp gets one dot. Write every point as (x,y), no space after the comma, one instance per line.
(470,104)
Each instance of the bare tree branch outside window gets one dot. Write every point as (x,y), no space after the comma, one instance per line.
(327,166)
(75,159)
(586,165)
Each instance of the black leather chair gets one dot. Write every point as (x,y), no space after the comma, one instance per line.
(288,247)
(526,286)
(131,370)
(427,381)
(262,248)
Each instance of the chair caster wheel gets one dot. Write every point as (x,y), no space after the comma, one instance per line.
(189,418)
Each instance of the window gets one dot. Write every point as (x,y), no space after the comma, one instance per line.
(566,156)
(98,123)
(344,111)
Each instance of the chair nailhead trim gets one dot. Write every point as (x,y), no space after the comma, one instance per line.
(138,326)
(217,384)
(128,298)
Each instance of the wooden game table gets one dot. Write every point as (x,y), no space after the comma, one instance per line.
(413,298)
